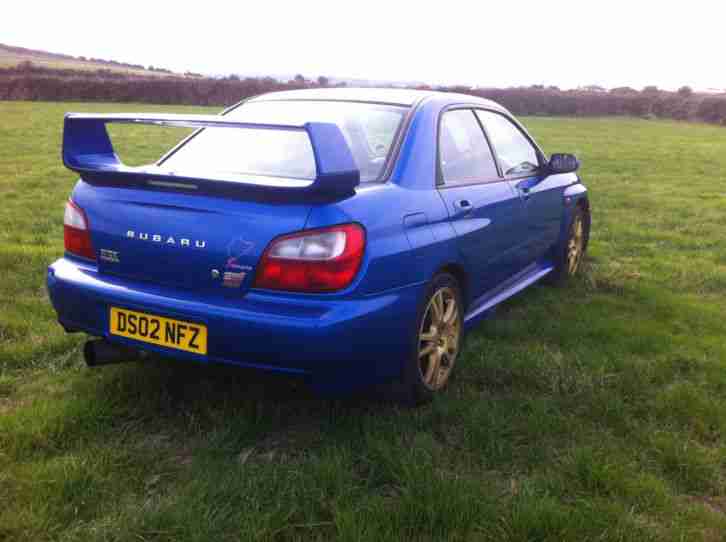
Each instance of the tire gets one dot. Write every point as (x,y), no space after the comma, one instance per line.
(426,374)
(570,253)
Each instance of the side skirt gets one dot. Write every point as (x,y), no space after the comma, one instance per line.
(482,306)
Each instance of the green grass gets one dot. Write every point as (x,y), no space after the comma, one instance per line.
(591,412)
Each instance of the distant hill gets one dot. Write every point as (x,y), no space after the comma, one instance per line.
(13,56)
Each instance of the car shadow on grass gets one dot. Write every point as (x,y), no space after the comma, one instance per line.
(230,409)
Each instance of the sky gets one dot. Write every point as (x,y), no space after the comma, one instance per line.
(495,44)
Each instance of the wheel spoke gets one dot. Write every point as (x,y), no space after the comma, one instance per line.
(437,309)
(439,376)
(574,260)
(450,313)
(445,359)
(426,350)
(452,338)
(433,367)
(435,378)
(440,305)
(430,335)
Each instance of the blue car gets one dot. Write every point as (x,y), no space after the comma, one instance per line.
(349,236)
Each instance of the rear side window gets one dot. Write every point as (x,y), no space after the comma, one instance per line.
(516,154)
(464,154)
(369,130)
(379,128)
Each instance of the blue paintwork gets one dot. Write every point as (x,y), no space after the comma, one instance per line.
(341,340)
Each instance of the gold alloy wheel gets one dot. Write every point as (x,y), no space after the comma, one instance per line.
(575,245)
(439,338)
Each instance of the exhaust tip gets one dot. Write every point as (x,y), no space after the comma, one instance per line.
(101,352)
(89,353)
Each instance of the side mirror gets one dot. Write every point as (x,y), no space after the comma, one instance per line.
(563,163)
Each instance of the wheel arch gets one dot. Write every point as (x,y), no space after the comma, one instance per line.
(575,196)
(457,271)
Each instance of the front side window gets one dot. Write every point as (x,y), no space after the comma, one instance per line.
(516,154)
(464,154)
(369,130)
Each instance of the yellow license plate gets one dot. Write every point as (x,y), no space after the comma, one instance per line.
(159,330)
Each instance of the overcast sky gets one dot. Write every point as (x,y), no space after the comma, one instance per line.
(496,43)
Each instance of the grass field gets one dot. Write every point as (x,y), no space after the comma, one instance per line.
(592,412)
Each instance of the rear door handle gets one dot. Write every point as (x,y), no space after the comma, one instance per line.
(464,205)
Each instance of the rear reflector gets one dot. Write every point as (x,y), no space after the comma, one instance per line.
(76,234)
(322,260)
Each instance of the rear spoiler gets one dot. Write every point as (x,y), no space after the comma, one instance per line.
(87,150)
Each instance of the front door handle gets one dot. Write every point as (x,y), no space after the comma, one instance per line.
(525,187)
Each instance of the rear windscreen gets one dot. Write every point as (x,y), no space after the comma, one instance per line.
(369,129)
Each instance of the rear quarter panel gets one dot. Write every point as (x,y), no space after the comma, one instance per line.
(407,234)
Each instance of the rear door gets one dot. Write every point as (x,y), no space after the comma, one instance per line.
(522,165)
(485,211)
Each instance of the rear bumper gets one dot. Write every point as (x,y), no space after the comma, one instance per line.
(334,340)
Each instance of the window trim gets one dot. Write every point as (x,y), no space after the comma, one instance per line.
(541,158)
(440,184)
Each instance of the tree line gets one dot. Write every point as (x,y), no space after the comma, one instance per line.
(30,82)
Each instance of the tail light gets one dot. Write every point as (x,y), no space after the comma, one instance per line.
(76,235)
(322,260)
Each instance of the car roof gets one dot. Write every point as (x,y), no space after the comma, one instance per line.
(393,96)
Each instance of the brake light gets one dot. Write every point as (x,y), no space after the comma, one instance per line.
(76,235)
(322,260)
